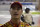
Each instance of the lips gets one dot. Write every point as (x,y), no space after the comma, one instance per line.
(15,14)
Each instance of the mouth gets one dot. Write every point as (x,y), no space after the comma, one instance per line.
(15,14)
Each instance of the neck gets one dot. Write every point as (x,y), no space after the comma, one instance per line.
(15,20)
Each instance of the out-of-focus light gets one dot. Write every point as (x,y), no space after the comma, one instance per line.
(25,7)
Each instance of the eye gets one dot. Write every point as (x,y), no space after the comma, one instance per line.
(13,8)
(18,8)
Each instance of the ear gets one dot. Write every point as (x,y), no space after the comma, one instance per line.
(22,10)
(10,10)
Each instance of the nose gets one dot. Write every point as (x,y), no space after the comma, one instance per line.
(16,11)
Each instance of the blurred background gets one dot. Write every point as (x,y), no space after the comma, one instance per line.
(34,6)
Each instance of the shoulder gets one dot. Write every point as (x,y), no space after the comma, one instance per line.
(5,25)
(25,24)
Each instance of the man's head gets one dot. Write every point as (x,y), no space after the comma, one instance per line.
(27,10)
(16,10)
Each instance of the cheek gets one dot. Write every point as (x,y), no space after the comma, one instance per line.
(11,13)
(20,12)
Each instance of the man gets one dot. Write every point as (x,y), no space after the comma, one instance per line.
(27,17)
(15,11)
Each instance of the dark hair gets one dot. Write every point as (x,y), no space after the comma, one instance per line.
(16,3)
(27,10)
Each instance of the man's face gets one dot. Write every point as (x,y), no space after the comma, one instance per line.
(16,12)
